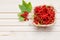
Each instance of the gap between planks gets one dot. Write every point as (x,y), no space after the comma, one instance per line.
(24,25)
(14,12)
(29,31)
(15,18)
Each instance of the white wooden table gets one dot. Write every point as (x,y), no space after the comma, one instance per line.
(12,29)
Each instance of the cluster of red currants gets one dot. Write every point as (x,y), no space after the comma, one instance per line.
(44,15)
(25,15)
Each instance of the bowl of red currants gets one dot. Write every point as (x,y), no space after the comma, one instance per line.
(44,15)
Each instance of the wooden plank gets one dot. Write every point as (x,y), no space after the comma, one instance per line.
(29,29)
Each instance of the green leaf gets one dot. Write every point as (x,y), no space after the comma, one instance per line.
(25,6)
(21,18)
(24,3)
(28,6)
(22,8)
